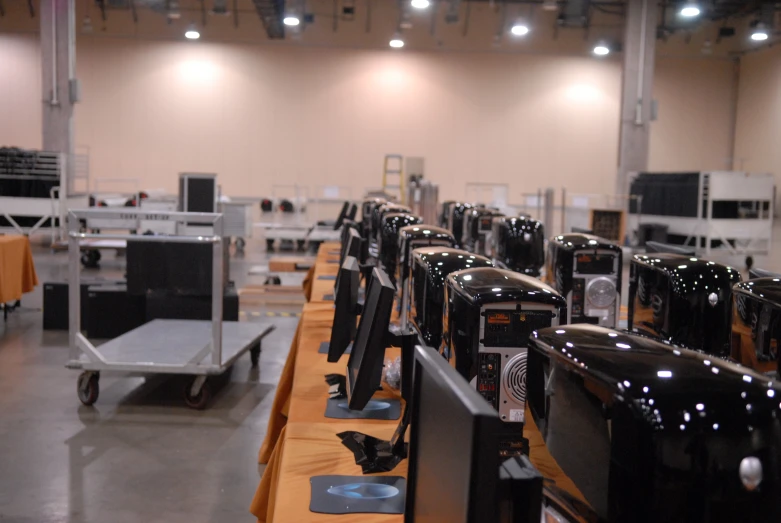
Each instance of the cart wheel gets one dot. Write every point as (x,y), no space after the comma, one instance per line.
(88,388)
(254,355)
(269,245)
(199,401)
(749,262)
(240,244)
(90,258)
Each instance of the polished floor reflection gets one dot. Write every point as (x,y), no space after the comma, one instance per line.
(139,454)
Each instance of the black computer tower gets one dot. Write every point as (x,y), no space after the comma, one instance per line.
(182,268)
(161,305)
(55,303)
(113,311)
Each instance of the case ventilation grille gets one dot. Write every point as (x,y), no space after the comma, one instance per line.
(515,377)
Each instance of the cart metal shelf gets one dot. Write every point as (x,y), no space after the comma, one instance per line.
(196,348)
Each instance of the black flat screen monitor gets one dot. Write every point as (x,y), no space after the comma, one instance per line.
(342,216)
(652,246)
(755,273)
(351,245)
(346,313)
(364,368)
(454,447)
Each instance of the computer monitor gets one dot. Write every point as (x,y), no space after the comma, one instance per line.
(755,273)
(342,216)
(347,309)
(352,212)
(651,246)
(351,245)
(364,368)
(453,456)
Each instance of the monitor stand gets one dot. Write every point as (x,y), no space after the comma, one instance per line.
(376,455)
(406,338)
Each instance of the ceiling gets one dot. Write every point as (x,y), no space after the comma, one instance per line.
(571,26)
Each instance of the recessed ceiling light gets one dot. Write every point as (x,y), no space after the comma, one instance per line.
(396,43)
(690,10)
(420,4)
(519,28)
(601,50)
(291,20)
(192,34)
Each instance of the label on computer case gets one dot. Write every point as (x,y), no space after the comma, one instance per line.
(509,328)
(488,377)
(517,415)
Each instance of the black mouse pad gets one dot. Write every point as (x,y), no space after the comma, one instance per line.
(384,409)
(357,494)
(328,297)
(326,277)
(324,348)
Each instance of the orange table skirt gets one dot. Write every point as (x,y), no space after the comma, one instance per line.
(17,270)
(301,442)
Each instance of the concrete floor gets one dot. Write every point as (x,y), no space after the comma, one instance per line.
(139,454)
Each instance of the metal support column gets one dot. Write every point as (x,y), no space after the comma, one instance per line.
(636,96)
(58,70)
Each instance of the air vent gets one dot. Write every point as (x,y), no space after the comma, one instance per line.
(515,377)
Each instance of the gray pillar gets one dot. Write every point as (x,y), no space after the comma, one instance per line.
(636,96)
(58,63)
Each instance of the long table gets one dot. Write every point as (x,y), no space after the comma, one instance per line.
(17,271)
(301,442)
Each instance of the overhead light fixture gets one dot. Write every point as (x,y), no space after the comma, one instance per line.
(420,4)
(291,20)
(549,5)
(192,33)
(519,28)
(760,33)
(396,42)
(601,49)
(690,10)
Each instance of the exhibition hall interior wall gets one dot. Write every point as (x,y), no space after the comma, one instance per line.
(269,114)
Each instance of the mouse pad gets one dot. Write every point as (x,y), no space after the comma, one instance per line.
(326,277)
(331,261)
(324,348)
(328,297)
(357,494)
(384,409)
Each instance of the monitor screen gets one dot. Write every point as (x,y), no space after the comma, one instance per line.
(454,447)
(364,368)
(486,223)
(346,313)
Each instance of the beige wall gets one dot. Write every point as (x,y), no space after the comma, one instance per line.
(757,146)
(260,115)
(20,91)
(693,127)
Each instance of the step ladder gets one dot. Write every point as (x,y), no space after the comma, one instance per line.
(393,177)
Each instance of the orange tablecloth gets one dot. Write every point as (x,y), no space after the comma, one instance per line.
(17,271)
(301,442)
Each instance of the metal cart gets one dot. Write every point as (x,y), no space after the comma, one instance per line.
(160,346)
